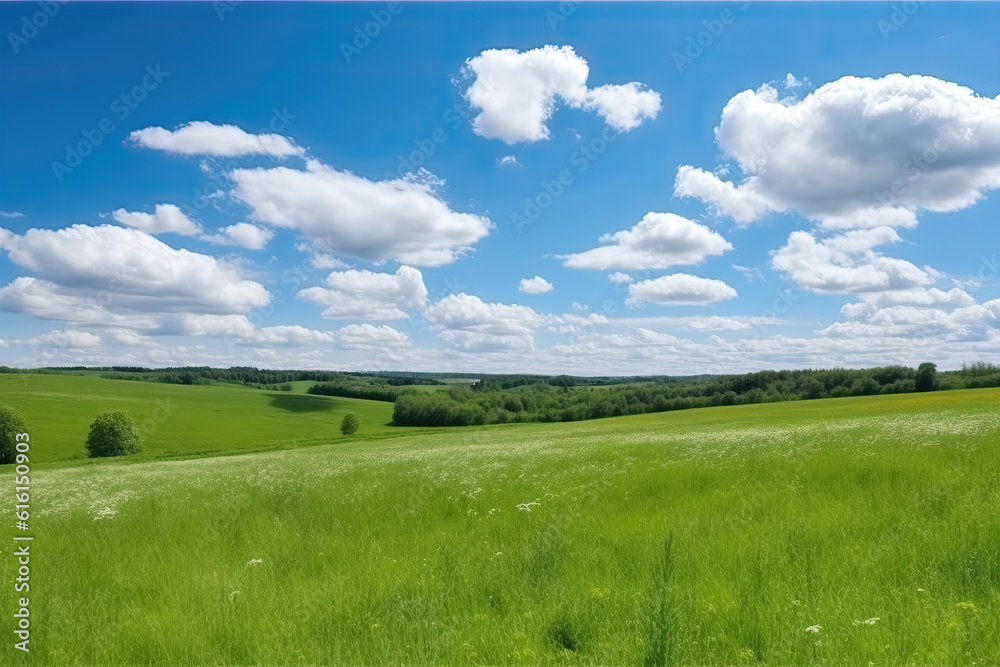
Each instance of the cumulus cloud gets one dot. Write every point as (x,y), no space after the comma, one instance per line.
(658,241)
(846,263)
(516,93)
(321,260)
(118,276)
(204,138)
(11,214)
(679,289)
(536,285)
(468,323)
(166,218)
(71,338)
(369,337)
(403,219)
(361,294)
(465,312)
(854,153)
(620,278)
(508,161)
(242,234)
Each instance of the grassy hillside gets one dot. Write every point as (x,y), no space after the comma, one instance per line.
(180,421)
(835,531)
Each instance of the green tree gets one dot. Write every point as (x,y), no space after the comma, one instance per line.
(812,389)
(926,377)
(12,422)
(349,425)
(113,434)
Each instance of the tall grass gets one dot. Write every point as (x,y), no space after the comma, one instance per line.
(845,531)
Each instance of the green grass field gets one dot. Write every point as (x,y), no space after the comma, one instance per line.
(840,531)
(181,421)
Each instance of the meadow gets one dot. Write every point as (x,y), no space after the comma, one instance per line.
(832,531)
(182,421)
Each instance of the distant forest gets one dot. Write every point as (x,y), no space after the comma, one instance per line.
(518,399)
(470,399)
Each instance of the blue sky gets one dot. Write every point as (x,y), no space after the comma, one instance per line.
(244,196)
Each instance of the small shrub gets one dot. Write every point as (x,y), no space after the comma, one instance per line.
(12,422)
(349,425)
(113,434)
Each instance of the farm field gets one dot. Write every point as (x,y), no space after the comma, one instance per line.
(839,531)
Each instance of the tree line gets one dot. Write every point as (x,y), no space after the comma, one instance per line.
(495,403)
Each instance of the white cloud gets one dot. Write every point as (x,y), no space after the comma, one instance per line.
(130,338)
(369,337)
(11,214)
(791,82)
(321,260)
(468,323)
(471,341)
(919,296)
(679,289)
(46,300)
(508,160)
(464,312)
(620,278)
(743,205)
(204,138)
(624,107)
(658,241)
(291,335)
(517,92)
(574,322)
(239,329)
(242,234)
(361,294)
(166,218)
(716,323)
(846,263)
(918,314)
(855,153)
(71,338)
(121,277)
(750,273)
(403,219)
(536,285)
